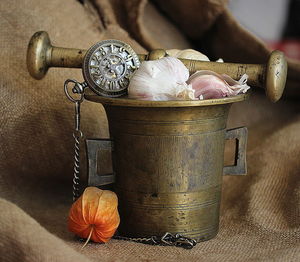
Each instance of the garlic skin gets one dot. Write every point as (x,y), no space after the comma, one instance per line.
(208,85)
(160,80)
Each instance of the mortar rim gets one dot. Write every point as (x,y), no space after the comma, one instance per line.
(128,102)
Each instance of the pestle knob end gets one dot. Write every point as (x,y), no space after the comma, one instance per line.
(37,54)
(276,73)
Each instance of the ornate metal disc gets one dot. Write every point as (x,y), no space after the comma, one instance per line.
(108,66)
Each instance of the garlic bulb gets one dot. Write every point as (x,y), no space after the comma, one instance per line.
(187,54)
(159,80)
(208,84)
(190,54)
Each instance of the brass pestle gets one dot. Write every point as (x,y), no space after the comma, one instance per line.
(271,76)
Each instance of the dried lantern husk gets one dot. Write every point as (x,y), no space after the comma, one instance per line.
(94,215)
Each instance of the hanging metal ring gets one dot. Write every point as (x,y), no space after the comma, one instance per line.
(77,88)
(77,134)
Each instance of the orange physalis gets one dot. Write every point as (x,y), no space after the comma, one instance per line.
(94,215)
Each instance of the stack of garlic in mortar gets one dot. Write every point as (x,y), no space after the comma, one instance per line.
(168,79)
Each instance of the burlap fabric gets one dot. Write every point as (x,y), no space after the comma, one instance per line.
(260,215)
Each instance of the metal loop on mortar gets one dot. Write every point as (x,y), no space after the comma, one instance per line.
(77,88)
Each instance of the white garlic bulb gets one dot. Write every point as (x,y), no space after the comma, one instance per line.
(187,54)
(160,80)
(190,54)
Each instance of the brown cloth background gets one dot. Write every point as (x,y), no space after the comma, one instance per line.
(260,215)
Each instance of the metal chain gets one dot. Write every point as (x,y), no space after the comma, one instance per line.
(77,134)
(78,88)
(76,179)
(167,239)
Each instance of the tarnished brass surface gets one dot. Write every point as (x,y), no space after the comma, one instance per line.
(125,101)
(168,159)
(41,55)
(275,69)
(272,76)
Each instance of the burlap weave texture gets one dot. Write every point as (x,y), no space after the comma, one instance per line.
(260,216)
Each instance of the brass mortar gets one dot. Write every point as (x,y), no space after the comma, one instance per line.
(168,163)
